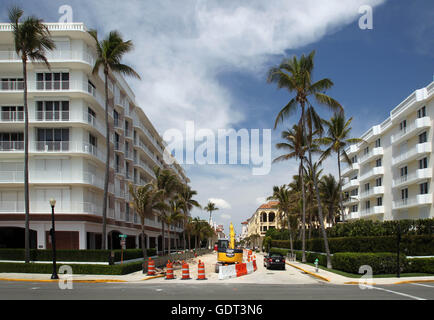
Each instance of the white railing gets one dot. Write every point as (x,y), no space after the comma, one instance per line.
(53,56)
(351,183)
(52,116)
(412,128)
(11,146)
(374,152)
(372,191)
(373,172)
(149,153)
(12,116)
(420,148)
(68,147)
(414,176)
(372,210)
(44,207)
(349,167)
(403,105)
(420,199)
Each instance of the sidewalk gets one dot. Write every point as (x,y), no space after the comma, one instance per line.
(333,278)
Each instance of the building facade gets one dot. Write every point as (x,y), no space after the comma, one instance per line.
(67,147)
(391,171)
(266,217)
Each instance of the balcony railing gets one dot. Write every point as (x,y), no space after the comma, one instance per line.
(12,116)
(350,184)
(44,207)
(350,168)
(376,171)
(53,56)
(11,146)
(374,152)
(411,130)
(419,174)
(419,149)
(52,115)
(372,192)
(420,199)
(372,210)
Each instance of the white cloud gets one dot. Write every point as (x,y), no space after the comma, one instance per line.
(225,216)
(220,203)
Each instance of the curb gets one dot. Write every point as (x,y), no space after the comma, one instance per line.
(413,281)
(153,277)
(50,280)
(308,272)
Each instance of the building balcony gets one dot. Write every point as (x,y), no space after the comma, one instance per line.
(418,150)
(411,130)
(417,201)
(42,207)
(348,169)
(11,146)
(374,172)
(351,201)
(371,155)
(372,211)
(352,149)
(418,175)
(12,116)
(53,56)
(375,191)
(352,216)
(67,147)
(351,184)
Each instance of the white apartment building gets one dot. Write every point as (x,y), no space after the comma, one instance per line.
(391,172)
(67,148)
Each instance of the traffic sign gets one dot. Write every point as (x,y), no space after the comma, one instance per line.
(122,236)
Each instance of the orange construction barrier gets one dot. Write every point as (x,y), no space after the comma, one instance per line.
(151,267)
(169,271)
(201,271)
(185,271)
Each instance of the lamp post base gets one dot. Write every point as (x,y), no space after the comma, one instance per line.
(54,276)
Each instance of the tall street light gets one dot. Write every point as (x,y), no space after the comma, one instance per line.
(53,239)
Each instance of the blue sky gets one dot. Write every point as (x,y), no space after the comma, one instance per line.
(207,61)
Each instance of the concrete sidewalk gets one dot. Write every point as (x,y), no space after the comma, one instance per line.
(334,278)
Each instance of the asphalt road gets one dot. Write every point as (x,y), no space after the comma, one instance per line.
(224,291)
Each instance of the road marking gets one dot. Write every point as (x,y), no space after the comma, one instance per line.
(423,285)
(395,292)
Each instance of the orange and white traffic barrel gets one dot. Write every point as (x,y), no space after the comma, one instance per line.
(201,271)
(185,271)
(151,267)
(169,271)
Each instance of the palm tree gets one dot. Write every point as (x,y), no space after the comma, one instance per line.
(337,139)
(296,76)
(311,174)
(174,215)
(109,55)
(145,202)
(330,190)
(187,203)
(295,145)
(283,195)
(210,207)
(32,40)
(168,185)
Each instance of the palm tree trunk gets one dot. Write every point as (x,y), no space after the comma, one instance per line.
(143,239)
(290,235)
(163,246)
(189,241)
(303,225)
(26,168)
(168,233)
(107,166)
(340,190)
(320,214)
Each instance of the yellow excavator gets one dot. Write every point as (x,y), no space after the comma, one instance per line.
(226,251)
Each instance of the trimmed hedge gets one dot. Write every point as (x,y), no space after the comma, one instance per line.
(47,268)
(420,265)
(380,262)
(411,245)
(73,255)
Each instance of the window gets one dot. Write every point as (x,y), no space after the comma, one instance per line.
(354,208)
(53,139)
(379,201)
(127,170)
(11,141)
(118,162)
(52,81)
(378,162)
(12,84)
(127,149)
(423,163)
(354,192)
(367,187)
(117,139)
(367,204)
(12,113)
(93,140)
(91,115)
(421,112)
(378,182)
(377,143)
(404,194)
(423,187)
(366,150)
(403,126)
(403,171)
(116,118)
(52,110)
(91,87)
(423,137)
(354,159)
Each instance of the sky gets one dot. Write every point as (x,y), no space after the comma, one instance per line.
(207,62)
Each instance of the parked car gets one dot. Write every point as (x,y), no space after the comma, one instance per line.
(274,260)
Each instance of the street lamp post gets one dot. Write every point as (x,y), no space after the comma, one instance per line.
(399,240)
(53,239)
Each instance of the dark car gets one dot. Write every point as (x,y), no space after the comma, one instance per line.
(276,260)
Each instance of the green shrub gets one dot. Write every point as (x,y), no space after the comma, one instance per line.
(420,265)
(47,268)
(380,262)
(411,245)
(73,255)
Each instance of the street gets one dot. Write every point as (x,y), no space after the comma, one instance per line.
(223,291)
